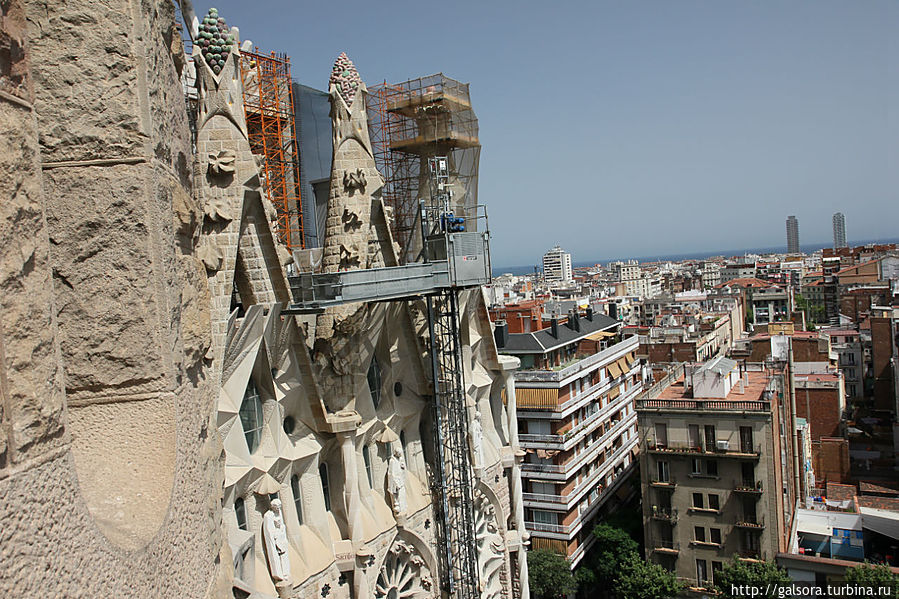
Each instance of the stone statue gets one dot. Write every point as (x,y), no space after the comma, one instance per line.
(396,481)
(275,535)
(477,441)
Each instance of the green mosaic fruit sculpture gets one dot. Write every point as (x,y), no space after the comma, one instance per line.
(345,78)
(215,40)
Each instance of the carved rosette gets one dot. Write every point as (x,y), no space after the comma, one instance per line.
(404,574)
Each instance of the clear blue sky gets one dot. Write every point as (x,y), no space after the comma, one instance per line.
(640,127)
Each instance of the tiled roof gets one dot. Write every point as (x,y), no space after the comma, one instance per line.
(879,503)
(838,492)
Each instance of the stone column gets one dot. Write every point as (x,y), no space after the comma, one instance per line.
(352,498)
(510,365)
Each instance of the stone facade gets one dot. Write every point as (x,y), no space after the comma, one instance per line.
(109,462)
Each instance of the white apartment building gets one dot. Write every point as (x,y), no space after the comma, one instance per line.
(557,266)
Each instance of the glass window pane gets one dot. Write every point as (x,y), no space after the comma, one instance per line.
(297,497)
(251,416)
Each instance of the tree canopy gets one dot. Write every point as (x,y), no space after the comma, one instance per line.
(549,574)
(874,576)
(741,573)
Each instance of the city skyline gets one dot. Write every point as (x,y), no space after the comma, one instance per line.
(715,120)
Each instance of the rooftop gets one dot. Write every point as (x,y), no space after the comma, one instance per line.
(757,383)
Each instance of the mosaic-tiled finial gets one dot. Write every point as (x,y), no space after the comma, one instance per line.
(215,40)
(345,78)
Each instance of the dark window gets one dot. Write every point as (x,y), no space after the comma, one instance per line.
(326,485)
(374,381)
(710,437)
(746,439)
(663,472)
(713,502)
(367,459)
(697,500)
(251,416)
(696,466)
(711,467)
(699,533)
(240,510)
(290,424)
(715,536)
(297,496)
(701,572)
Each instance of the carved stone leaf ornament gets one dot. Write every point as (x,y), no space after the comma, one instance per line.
(222,163)
(217,209)
(210,255)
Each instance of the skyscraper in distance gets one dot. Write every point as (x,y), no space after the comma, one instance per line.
(792,235)
(839,230)
(557,266)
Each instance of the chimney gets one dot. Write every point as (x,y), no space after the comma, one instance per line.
(501,333)
(613,310)
(574,322)
(554,327)
(590,313)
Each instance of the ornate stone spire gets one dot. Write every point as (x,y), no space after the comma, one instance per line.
(345,78)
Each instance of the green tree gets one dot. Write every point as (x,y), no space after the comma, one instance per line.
(874,576)
(639,579)
(549,574)
(741,573)
(613,546)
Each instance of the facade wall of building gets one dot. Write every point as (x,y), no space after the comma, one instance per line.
(822,404)
(109,475)
(884,340)
(579,445)
(694,484)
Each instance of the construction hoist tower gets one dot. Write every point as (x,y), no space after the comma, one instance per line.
(455,257)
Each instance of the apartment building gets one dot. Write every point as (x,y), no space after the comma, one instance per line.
(557,266)
(715,467)
(575,395)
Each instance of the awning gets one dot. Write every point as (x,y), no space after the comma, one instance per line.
(615,392)
(536,398)
(631,358)
(614,370)
(599,335)
(623,365)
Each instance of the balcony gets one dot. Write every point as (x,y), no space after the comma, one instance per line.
(561,529)
(750,555)
(750,523)
(748,486)
(666,547)
(706,544)
(704,405)
(684,449)
(590,453)
(664,514)
(616,351)
(663,484)
(544,498)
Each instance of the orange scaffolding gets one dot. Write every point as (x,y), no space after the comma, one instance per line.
(269,108)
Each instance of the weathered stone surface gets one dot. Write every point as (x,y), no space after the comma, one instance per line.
(125,500)
(84,63)
(104,278)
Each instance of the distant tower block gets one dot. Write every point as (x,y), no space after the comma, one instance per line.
(839,230)
(792,235)
(412,122)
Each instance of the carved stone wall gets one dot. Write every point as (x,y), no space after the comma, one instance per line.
(111,478)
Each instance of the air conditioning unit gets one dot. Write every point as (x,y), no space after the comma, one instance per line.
(723,445)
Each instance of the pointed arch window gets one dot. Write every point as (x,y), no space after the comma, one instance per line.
(297,496)
(240,510)
(326,484)
(374,381)
(366,457)
(251,416)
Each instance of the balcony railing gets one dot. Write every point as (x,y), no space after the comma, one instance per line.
(669,483)
(747,486)
(752,554)
(666,514)
(751,522)
(622,348)
(562,529)
(544,498)
(567,439)
(706,405)
(743,450)
(578,461)
(665,546)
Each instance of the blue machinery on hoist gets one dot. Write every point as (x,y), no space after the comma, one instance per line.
(455,257)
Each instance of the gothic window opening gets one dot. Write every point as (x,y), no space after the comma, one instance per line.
(374,381)
(251,416)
